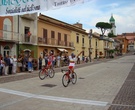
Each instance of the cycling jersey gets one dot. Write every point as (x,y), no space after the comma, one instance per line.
(72,63)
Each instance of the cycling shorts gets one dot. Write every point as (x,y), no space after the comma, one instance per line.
(71,67)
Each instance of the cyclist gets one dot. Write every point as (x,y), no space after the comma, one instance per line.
(71,66)
(50,60)
(72,60)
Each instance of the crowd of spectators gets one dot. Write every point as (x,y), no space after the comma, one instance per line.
(12,64)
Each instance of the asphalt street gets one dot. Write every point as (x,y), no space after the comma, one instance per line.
(99,86)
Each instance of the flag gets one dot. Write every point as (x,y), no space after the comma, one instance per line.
(20,7)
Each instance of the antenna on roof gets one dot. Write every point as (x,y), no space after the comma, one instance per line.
(78,21)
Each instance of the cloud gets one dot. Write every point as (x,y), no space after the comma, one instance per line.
(95,11)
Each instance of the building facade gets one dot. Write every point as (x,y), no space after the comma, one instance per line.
(8,38)
(53,35)
(81,41)
(26,26)
(131,39)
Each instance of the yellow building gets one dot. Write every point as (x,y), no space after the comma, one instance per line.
(81,41)
(101,46)
(53,35)
(96,45)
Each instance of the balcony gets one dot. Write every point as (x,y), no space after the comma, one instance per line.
(25,39)
(29,16)
(54,42)
(9,36)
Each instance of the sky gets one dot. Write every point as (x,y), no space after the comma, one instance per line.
(92,11)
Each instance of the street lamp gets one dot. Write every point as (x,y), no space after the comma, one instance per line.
(90,37)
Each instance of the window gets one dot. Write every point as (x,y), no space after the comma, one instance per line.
(7,24)
(77,38)
(65,37)
(26,30)
(5,27)
(59,38)
(44,33)
(45,36)
(6,51)
(52,34)
(83,40)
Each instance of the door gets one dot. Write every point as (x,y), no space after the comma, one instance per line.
(26,30)
(6,51)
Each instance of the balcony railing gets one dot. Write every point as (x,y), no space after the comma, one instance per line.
(54,42)
(9,36)
(24,38)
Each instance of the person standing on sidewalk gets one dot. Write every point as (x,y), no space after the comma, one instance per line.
(1,67)
(14,64)
(58,60)
(7,63)
(10,65)
(40,63)
(30,66)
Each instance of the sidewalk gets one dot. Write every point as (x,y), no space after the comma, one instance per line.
(125,99)
(26,74)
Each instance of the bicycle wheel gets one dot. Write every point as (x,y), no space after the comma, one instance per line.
(51,73)
(42,74)
(74,78)
(65,80)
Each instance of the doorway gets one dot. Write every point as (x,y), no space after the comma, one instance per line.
(6,51)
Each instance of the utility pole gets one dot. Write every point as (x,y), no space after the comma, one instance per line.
(18,48)
(90,37)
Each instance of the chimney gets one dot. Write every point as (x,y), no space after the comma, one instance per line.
(78,25)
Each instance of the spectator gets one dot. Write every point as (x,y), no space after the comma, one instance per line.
(58,61)
(10,65)
(25,63)
(78,59)
(14,64)
(40,62)
(2,66)
(30,66)
(7,63)
(20,62)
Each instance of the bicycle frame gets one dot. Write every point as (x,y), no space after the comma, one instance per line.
(67,73)
(67,78)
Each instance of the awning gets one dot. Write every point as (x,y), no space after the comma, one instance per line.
(62,50)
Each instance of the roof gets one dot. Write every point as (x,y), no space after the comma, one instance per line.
(112,19)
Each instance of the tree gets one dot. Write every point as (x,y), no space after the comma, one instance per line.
(111,35)
(103,26)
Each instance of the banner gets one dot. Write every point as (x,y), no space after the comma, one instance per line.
(20,7)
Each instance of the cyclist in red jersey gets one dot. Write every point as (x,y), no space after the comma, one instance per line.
(50,59)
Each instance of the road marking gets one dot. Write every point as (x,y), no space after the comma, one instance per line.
(53,98)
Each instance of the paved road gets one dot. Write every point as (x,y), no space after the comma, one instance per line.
(97,88)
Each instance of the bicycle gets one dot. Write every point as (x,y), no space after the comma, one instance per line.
(68,77)
(45,72)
